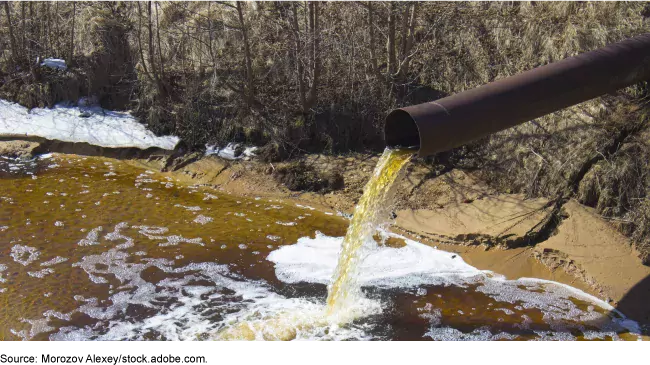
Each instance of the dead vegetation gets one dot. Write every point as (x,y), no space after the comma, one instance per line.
(298,176)
(309,77)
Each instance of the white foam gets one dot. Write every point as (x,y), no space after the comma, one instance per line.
(314,260)
(3,267)
(191,209)
(208,196)
(191,315)
(452,334)
(117,235)
(288,224)
(92,238)
(201,219)
(24,255)
(41,273)
(54,261)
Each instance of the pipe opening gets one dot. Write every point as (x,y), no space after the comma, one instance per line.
(400,130)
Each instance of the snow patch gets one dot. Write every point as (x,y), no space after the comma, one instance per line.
(92,125)
(228,152)
(55,63)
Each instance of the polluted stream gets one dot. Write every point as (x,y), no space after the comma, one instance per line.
(97,249)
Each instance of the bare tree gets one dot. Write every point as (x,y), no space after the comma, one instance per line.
(248,89)
(74,12)
(23,18)
(390,42)
(297,49)
(162,62)
(371,31)
(14,50)
(315,53)
(408,40)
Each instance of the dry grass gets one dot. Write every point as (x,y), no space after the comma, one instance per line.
(619,189)
(476,42)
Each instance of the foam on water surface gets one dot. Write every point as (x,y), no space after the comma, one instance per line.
(314,260)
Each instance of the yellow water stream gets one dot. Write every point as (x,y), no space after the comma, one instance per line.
(370,212)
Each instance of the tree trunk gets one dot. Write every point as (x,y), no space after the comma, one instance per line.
(140,50)
(14,50)
(299,66)
(71,54)
(315,61)
(57,40)
(408,37)
(162,63)
(371,29)
(23,16)
(31,43)
(247,57)
(390,44)
(45,30)
(152,52)
(211,39)
(404,31)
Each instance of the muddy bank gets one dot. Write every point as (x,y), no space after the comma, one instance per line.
(453,211)
(18,148)
(29,146)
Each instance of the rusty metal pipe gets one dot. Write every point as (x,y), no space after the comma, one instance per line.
(464,117)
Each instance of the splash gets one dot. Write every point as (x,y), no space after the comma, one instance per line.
(345,302)
(370,212)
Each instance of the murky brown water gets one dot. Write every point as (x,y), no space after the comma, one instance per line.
(92,248)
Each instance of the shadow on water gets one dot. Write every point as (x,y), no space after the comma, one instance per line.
(634,306)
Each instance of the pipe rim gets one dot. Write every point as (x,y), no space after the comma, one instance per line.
(402,131)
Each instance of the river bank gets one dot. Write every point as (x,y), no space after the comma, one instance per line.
(455,212)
